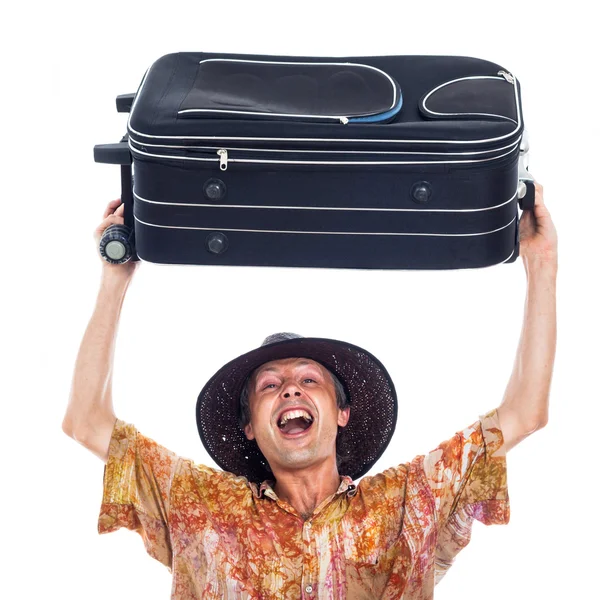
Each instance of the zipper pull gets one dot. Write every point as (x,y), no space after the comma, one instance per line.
(507,76)
(223,163)
(344,120)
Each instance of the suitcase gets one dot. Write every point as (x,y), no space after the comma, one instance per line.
(376,162)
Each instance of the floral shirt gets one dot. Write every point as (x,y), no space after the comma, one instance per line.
(392,536)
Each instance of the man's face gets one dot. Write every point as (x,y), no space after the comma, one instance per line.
(294,413)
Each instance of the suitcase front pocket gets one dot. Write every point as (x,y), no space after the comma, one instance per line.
(480,97)
(291,91)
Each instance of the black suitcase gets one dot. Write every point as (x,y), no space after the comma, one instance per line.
(390,162)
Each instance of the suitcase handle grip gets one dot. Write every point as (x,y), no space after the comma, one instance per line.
(112,154)
(124,102)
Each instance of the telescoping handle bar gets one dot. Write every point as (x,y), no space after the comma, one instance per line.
(117,244)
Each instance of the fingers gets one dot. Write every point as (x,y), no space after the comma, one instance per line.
(112,205)
(543,218)
(113,219)
(539,193)
(539,208)
(113,215)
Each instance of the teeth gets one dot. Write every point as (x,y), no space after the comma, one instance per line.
(294,414)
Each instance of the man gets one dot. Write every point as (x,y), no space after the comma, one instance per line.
(292,424)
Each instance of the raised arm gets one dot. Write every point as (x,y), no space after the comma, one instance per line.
(524,408)
(90,417)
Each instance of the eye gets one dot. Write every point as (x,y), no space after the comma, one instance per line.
(309,380)
(269,386)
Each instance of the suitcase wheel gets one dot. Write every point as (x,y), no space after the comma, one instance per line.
(116,244)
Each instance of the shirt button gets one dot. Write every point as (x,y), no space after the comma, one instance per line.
(308,589)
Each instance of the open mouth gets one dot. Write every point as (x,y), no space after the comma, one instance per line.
(295,422)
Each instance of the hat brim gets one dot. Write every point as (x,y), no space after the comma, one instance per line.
(371,394)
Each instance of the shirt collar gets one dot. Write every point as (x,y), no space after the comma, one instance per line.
(265,490)
(347,485)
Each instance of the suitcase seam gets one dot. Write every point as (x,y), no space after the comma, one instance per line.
(166,89)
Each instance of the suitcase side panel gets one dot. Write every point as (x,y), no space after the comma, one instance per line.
(171,246)
(332,217)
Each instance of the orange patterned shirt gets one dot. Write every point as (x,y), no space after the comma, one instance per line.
(392,536)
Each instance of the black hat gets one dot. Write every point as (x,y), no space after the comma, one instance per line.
(369,389)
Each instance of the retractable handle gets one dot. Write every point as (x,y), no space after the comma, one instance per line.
(113,154)
(124,102)
(526,189)
(117,244)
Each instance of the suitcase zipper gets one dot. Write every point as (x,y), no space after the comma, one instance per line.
(507,76)
(297,118)
(224,159)
(300,151)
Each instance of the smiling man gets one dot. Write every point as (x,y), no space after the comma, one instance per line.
(294,424)
(291,409)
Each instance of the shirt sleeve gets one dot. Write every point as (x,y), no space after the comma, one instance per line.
(467,476)
(136,489)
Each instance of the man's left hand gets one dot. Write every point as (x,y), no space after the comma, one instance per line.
(537,234)
(524,408)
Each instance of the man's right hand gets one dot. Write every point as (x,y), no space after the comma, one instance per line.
(113,215)
(90,417)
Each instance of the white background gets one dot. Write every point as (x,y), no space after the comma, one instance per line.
(447,338)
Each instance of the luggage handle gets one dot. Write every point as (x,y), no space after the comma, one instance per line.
(526,188)
(117,244)
(124,102)
(113,154)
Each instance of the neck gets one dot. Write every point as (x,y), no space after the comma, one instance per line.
(305,489)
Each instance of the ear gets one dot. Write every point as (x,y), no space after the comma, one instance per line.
(248,431)
(343,417)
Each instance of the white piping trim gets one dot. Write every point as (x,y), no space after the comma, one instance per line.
(317,162)
(476,114)
(239,112)
(229,148)
(509,256)
(326,232)
(461,210)
(290,139)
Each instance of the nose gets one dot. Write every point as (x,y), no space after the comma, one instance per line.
(291,389)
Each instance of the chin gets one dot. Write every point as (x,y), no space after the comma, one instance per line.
(299,459)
